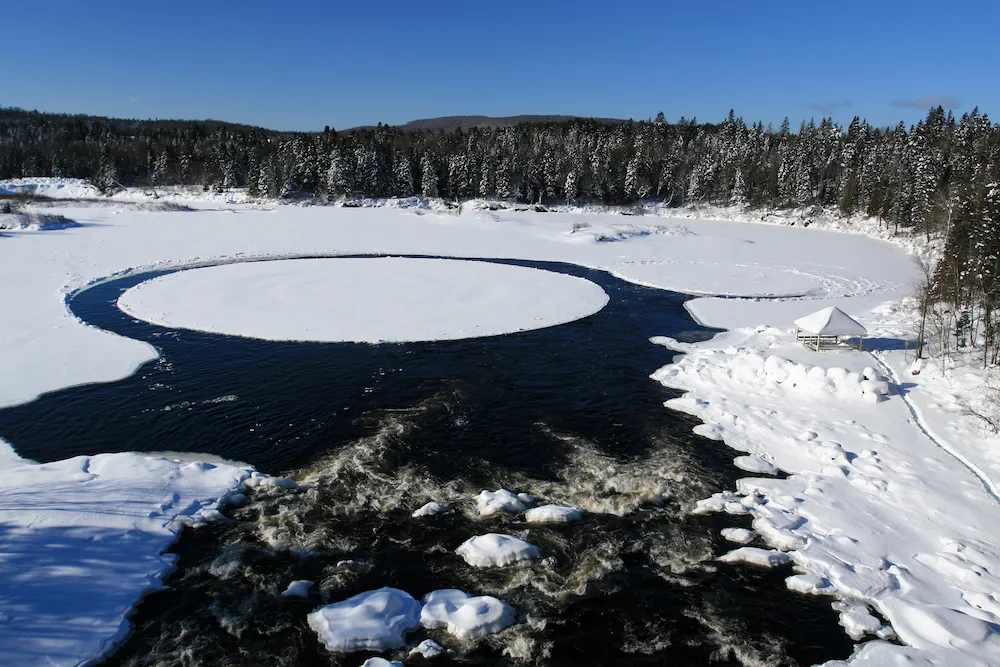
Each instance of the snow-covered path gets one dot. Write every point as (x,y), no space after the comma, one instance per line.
(921,422)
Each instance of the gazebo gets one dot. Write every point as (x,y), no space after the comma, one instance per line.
(829,329)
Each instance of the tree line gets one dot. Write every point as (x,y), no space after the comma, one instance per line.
(939,179)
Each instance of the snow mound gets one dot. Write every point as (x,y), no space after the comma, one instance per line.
(428,649)
(755,556)
(376,620)
(553,514)
(299,588)
(493,502)
(430,509)
(364,300)
(495,550)
(464,616)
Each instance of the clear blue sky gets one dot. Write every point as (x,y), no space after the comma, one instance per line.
(301,65)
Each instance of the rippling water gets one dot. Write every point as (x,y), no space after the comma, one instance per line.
(371,432)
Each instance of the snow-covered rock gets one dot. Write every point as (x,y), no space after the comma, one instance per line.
(299,588)
(493,502)
(496,550)
(375,620)
(464,616)
(430,509)
(381,662)
(553,514)
(428,649)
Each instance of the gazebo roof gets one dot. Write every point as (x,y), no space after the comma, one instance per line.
(830,321)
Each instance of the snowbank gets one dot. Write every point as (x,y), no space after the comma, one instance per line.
(880,510)
(464,616)
(371,300)
(53,188)
(82,541)
(375,620)
(495,550)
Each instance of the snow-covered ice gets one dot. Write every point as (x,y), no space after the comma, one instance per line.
(738,535)
(755,556)
(367,300)
(427,649)
(376,620)
(489,503)
(553,514)
(83,539)
(496,550)
(465,616)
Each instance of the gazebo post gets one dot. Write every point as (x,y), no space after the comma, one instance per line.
(817,342)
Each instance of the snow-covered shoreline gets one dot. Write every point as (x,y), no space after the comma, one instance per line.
(859,514)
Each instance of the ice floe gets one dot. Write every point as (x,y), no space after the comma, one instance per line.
(330,300)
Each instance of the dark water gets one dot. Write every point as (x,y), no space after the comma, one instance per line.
(372,432)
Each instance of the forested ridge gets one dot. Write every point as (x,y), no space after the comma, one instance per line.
(938,179)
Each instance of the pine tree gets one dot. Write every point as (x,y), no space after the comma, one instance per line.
(428,177)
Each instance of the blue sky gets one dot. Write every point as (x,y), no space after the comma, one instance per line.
(302,65)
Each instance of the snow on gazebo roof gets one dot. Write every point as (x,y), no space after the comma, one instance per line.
(830,321)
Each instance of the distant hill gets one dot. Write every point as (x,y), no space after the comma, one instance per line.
(453,122)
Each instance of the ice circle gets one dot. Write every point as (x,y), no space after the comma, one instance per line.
(363,300)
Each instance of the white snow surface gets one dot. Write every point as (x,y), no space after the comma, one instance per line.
(465,616)
(363,300)
(496,550)
(83,539)
(375,620)
(892,499)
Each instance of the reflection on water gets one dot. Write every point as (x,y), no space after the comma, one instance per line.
(373,432)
